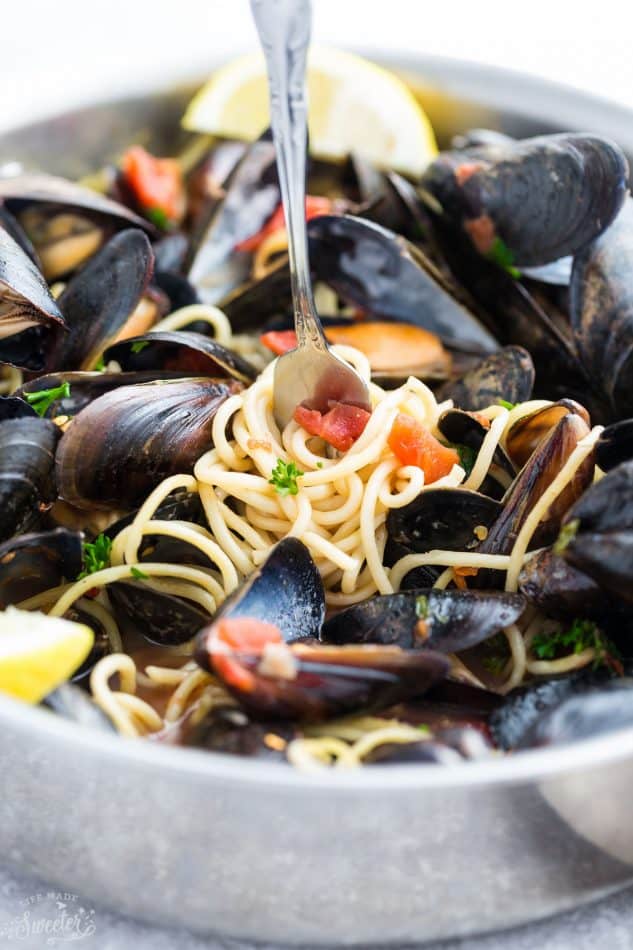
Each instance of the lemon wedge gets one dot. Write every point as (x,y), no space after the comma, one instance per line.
(355,105)
(38,653)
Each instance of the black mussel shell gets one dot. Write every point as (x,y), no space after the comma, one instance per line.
(528,431)
(27,306)
(326,680)
(422,752)
(464,429)
(13,407)
(85,387)
(169,253)
(508,375)
(126,442)
(582,717)
(27,472)
(251,196)
(286,590)
(38,188)
(33,563)
(179,291)
(615,445)
(545,197)
(14,228)
(157,616)
(607,505)
(534,478)
(98,301)
(72,702)
(559,589)
(606,557)
(519,713)
(229,730)
(442,518)
(443,620)
(601,310)
(180,351)
(385,275)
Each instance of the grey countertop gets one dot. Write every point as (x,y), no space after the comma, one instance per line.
(34,916)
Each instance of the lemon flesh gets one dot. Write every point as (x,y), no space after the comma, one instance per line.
(38,653)
(354,105)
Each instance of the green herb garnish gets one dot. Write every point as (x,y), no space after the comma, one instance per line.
(96,555)
(422,606)
(42,400)
(502,256)
(507,405)
(284,478)
(582,635)
(467,457)
(567,533)
(139,346)
(138,574)
(100,366)
(498,654)
(158,218)
(319,464)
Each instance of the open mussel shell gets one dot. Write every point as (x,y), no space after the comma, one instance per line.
(321,680)
(99,300)
(12,225)
(32,563)
(508,374)
(615,445)
(582,717)
(251,196)
(527,432)
(462,428)
(285,590)
(26,305)
(444,519)
(85,387)
(14,407)
(385,275)
(73,703)
(159,617)
(443,620)
(601,311)
(515,718)
(27,472)
(534,478)
(180,351)
(229,730)
(545,197)
(178,290)
(126,442)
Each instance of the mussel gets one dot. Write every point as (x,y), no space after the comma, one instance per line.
(508,374)
(27,472)
(443,620)
(32,563)
(582,717)
(453,519)
(123,444)
(527,432)
(544,198)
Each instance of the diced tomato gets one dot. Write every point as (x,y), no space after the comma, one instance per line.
(315,205)
(279,341)
(412,444)
(156,182)
(246,635)
(339,427)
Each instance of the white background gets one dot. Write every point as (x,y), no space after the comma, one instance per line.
(58,53)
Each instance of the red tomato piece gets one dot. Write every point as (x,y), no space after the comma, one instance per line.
(340,426)
(315,205)
(412,444)
(279,341)
(156,182)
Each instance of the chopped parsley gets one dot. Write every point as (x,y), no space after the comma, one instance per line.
(284,478)
(158,218)
(100,366)
(467,457)
(498,654)
(507,405)
(139,346)
(567,533)
(96,555)
(42,400)
(422,606)
(581,635)
(138,574)
(502,256)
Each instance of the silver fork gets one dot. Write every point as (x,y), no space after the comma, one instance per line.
(310,374)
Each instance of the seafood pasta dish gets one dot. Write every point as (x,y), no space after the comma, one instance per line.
(447,576)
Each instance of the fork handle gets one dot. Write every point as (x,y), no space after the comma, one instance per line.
(284,33)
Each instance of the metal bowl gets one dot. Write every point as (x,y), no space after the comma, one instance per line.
(256,850)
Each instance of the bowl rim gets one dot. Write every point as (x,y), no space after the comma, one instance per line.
(499,770)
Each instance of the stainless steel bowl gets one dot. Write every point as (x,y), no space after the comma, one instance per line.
(256,850)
